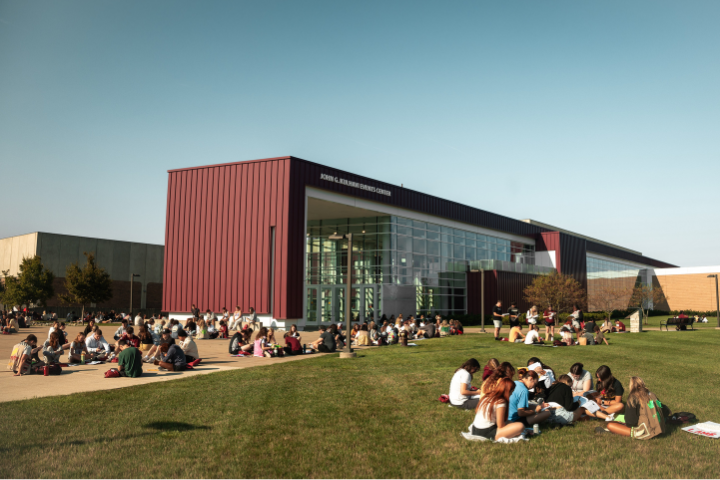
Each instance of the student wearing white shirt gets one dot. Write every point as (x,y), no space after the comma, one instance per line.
(461,395)
(236,322)
(96,342)
(491,417)
(532,315)
(532,336)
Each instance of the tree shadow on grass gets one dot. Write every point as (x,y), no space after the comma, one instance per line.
(174,426)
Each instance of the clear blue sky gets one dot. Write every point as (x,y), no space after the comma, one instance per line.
(598,117)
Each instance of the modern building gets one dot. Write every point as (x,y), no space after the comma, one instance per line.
(119,259)
(257,234)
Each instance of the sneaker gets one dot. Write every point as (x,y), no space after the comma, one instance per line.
(601,430)
(161,369)
(473,438)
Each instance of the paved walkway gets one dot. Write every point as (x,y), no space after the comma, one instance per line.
(87,378)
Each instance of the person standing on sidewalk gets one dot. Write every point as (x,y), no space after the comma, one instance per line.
(497,318)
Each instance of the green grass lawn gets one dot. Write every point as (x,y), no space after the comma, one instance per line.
(375,416)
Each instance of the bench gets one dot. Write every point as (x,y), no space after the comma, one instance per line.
(677,321)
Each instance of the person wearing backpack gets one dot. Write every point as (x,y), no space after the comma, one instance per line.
(644,417)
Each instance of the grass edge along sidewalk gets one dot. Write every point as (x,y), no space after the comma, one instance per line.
(376,416)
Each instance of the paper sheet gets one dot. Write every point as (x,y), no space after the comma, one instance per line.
(551,405)
(705,429)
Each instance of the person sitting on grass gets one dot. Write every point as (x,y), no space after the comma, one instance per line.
(444,329)
(600,337)
(461,393)
(154,352)
(644,417)
(129,360)
(518,409)
(610,394)
(121,330)
(561,393)
(581,379)
(533,337)
(292,345)
(22,354)
(52,350)
(516,335)
(326,342)
(261,347)
(504,370)
(188,346)
(212,330)
(363,338)
(336,331)
(546,377)
(172,358)
(566,333)
(96,343)
(491,415)
(490,367)
(620,326)
(606,326)
(77,347)
(295,333)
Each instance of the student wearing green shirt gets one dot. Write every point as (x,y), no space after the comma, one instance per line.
(129,360)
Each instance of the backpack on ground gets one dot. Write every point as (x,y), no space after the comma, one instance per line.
(679,418)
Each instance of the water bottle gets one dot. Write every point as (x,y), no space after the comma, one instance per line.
(536,429)
(82,358)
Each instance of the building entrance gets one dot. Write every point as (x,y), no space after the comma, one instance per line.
(326,303)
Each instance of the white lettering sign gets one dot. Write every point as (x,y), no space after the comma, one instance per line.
(349,183)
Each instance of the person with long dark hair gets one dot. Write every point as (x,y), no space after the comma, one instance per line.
(461,393)
(610,393)
(644,417)
(491,414)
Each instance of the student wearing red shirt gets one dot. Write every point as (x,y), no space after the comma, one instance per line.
(130,337)
(549,319)
(619,326)
(292,345)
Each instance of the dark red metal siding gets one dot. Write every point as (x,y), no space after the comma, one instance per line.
(573,258)
(218,239)
(505,286)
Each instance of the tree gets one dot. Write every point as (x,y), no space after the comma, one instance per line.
(610,296)
(33,284)
(559,291)
(645,295)
(90,285)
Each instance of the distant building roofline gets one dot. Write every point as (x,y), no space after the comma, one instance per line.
(574,234)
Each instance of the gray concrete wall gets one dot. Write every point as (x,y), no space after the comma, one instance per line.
(14,249)
(118,258)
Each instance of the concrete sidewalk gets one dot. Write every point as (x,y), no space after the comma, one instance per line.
(87,378)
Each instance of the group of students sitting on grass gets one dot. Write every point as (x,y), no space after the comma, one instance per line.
(585,332)
(505,408)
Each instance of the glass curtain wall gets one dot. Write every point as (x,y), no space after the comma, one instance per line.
(606,277)
(398,251)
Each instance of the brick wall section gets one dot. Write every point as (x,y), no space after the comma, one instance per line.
(689,292)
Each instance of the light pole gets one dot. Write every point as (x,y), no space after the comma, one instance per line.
(132,277)
(717,300)
(347,351)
